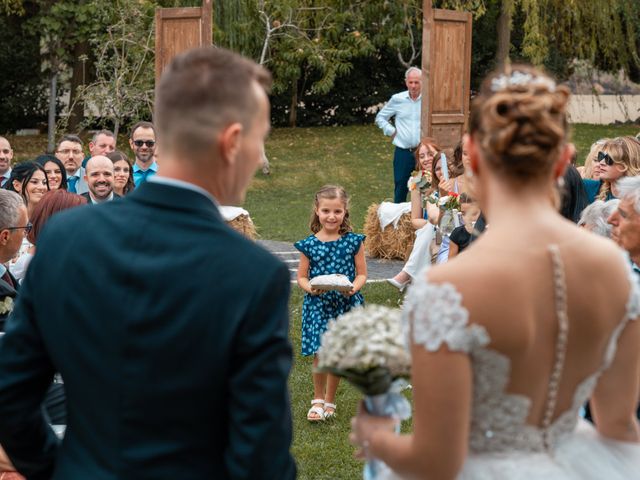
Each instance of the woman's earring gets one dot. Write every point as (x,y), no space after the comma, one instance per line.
(560,182)
(468,173)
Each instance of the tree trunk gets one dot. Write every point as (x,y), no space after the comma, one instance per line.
(293,112)
(504,32)
(51,125)
(78,79)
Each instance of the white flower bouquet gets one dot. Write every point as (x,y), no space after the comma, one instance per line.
(6,306)
(366,347)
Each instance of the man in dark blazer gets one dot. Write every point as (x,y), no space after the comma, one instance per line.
(170,330)
(14,224)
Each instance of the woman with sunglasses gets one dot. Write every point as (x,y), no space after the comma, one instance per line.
(615,159)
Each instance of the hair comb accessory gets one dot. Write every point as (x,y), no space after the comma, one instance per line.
(516,78)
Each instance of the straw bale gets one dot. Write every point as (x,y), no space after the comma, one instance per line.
(244,225)
(392,243)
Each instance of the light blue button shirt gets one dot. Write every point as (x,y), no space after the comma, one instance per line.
(141,176)
(407,119)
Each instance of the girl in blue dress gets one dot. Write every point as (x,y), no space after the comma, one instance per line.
(332,248)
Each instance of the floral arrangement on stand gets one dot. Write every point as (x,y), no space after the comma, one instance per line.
(366,347)
(450,208)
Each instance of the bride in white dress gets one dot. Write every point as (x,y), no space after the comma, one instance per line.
(535,318)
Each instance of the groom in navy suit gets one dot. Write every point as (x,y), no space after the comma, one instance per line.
(169,329)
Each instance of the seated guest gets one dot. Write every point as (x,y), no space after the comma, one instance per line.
(420,256)
(615,160)
(55,171)
(462,236)
(626,219)
(594,217)
(102,143)
(6,155)
(52,203)
(143,144)
(14,223)
(589,169)
(574,196)
(28,180)
(122,177)
(99,178)
(69,152)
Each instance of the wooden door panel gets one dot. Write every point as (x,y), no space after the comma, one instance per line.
(446,74)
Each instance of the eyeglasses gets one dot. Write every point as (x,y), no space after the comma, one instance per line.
(67,151)
(27,228)
(606,157)
(148,143)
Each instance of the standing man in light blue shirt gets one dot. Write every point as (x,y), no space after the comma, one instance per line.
(143,144)
(405,134)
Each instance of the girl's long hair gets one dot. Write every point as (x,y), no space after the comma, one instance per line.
(330,192)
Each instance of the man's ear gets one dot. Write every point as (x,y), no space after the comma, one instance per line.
(229,143)
(4,236)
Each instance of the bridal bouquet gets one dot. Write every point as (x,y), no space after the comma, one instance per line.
(419,179)
(366,347)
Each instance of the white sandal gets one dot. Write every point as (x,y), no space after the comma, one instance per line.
(317,410)
(328,415)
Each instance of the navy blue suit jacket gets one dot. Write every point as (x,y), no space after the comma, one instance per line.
(171,333)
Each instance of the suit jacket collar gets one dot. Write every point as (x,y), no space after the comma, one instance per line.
(174,197)
(7,290)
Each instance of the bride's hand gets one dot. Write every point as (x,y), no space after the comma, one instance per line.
(363,427)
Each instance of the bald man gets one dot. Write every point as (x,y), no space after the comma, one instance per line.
(99,178)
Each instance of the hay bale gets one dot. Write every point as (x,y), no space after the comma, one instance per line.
(390,243)
(244,225)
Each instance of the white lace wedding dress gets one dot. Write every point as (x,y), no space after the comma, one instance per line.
(501,444)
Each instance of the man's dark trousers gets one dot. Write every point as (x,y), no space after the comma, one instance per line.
(404,163)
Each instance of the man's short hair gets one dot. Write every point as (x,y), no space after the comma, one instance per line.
(10,203)
(141,125)
(202,91)
(411,69)
(70,138)
(107,133)
(629,188)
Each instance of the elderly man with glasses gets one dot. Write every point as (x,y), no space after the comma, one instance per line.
(143,144)
(14,224)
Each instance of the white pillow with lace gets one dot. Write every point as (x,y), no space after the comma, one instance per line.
(334,281)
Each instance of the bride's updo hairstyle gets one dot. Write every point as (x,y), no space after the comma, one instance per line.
(519,122)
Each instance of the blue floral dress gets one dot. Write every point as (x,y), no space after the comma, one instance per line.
(326,258)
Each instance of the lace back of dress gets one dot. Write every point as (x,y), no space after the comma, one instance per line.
(560,293)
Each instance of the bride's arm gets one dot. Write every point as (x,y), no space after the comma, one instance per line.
(442,402)
(616,397)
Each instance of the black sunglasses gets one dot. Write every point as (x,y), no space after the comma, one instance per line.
(606,157)
(26,228)
(148,143)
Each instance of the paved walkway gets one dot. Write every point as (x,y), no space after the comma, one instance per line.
(377,270)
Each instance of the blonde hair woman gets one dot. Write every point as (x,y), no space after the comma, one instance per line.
(508,341)
(615,158)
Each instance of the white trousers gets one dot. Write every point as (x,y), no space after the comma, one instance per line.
(421,254)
